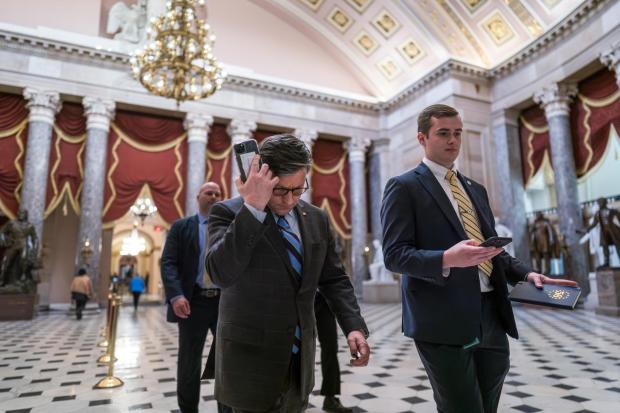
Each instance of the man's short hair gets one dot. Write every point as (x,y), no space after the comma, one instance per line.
(285,154)
(434,111)
(81,271)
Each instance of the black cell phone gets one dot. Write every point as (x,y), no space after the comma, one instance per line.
(496,242)
(244,153)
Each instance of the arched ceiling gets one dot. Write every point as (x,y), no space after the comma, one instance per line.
(390,44)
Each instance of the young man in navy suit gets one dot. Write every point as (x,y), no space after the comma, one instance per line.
(455,297)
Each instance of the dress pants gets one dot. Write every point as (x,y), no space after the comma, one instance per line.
(469,380)
(192,337)
(327,332)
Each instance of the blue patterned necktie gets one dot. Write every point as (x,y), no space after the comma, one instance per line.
(294,251)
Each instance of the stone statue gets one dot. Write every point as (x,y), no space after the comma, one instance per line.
(378,272)
(131,21)
(19,239)
(503,231)
(543,243)
(605,218)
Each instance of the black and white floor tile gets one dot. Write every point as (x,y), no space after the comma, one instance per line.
(566,361)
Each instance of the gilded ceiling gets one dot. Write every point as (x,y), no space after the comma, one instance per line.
(393,43)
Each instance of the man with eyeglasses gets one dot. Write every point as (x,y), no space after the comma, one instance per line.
(192,296)
(269,251)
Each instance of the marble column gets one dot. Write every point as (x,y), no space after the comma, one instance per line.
(197,126)
(308,137)
(509,180)
(359,229)
(611,59)
(555,100)
(239,130)
(378,174)
(43,107)
(99,113)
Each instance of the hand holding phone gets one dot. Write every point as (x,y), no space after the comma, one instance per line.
(497,242)
(244,154)
(257,190)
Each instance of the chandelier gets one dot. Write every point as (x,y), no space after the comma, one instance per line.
(177,61)
(143,208)
(133,244)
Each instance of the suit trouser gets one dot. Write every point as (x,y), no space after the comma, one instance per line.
(469,380)
(328,338)
(192,337)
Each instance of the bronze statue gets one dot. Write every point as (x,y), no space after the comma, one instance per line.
(610,232)
(543,243)
(19,239)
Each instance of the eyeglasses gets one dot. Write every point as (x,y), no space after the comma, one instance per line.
(279,191)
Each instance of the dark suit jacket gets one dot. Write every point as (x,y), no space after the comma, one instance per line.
(263,300)
(419,224)
(179,261)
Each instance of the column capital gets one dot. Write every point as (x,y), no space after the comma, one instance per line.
(357,147)
(505,117)
(43,105)
(611,59)
(198,126)
(380,145)
(99,112)
(555,98)
(307,136)
(241,129)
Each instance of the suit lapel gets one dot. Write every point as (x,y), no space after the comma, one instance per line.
(306,241)
(485,226)
(433,187)
(193,234)
(275,238)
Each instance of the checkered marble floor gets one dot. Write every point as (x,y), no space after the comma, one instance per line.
(567,361)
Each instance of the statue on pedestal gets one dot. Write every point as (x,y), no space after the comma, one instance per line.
(605,219)
(19,239)
(378,272)
(127,23)
(543,243)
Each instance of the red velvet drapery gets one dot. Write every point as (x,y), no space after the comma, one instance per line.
(66,167)
(145,150)
(534,139)
(219,169)
(330,184)
(13,135)
(595,110)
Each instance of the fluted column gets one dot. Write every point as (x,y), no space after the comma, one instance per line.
(197,126)
(239,130)
(99,113)
(509,181)
(555,100)
(43,106)
(359,229)
(378,176)
(611,59)
(307,136)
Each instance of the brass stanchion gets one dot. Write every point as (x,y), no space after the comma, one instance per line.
(106,328)
(110,381)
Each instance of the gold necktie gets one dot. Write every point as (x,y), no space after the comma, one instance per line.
(468,216)
(206,278)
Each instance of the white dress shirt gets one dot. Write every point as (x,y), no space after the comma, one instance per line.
(291,218)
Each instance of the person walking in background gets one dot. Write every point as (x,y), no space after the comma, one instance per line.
(136,286)
(81,291)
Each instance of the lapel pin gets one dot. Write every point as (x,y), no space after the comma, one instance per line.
(468,182)
(304,214)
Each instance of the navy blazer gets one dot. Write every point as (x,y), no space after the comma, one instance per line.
(179,261)
(419,224)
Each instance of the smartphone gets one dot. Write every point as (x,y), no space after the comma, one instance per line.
(244,153)
(496,242)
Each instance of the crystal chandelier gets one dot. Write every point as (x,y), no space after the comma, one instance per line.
(143,208)
(177,61)
(133,244)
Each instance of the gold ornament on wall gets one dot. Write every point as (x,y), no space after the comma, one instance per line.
(386,23)
(339,19)
(365,43)
(389,68)
(410,50)
(473,5)
(177,61)
(360,5)
(497,28)
(313,4)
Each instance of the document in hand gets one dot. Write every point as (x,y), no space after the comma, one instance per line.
(549,296)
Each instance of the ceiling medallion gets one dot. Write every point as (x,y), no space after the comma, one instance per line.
(389,68)
(386,23)
(410,51)
(313,4)
(497,28)
(360,5)
(339,19)
(365,43)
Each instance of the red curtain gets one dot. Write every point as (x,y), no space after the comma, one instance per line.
(330,183)
(67,158)
(145,150)
(13,135)
(534,139)
(219,169)
(596,108)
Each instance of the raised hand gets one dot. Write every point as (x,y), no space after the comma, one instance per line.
(258,188)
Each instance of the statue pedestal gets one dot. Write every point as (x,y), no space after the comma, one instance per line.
(17,306)
(608,285)
(381,292)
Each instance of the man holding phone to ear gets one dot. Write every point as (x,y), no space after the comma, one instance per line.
(270,251)
(455,298)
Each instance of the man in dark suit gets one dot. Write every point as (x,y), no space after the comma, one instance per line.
(269,251)
(192,297)
(455,298)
